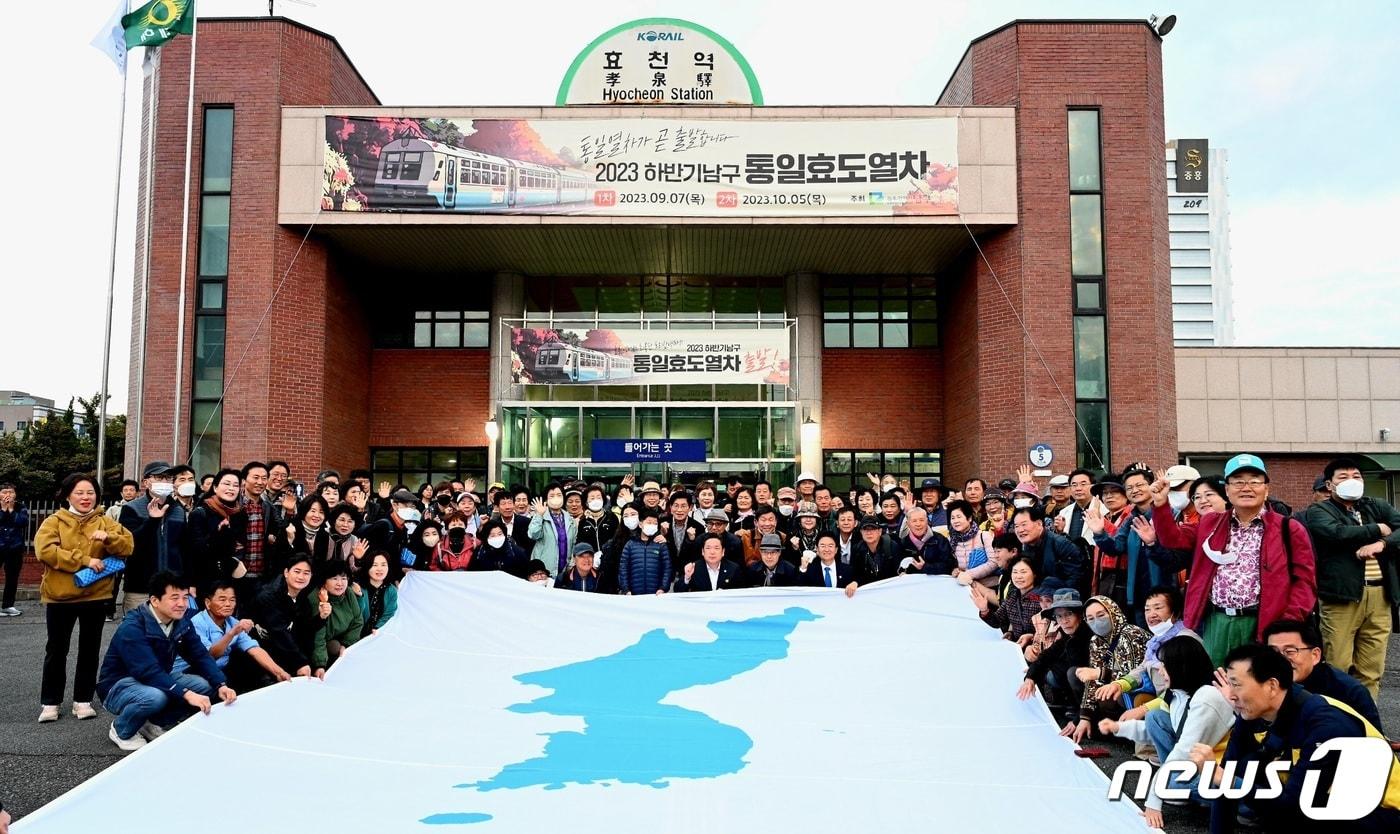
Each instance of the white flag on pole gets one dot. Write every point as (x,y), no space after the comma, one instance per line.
(111,40)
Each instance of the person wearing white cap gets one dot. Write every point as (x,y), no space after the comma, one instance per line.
(1180,478)
(1059,495)
(807,487)
(1251,565)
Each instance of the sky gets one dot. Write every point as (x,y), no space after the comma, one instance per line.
(1301,94)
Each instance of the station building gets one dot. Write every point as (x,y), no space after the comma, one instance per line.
(924,343)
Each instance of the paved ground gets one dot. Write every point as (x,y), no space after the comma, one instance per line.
(39,763)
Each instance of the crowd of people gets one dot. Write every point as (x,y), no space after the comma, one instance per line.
(1191,615)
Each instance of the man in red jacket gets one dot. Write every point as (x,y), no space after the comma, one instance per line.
(1251,566)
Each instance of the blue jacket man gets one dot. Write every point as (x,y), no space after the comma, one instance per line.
(137,683)
(1149,565)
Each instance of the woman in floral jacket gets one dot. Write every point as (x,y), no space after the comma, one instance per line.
(1115,650)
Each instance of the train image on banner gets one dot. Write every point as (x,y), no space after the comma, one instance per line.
(557,361)
(418,173)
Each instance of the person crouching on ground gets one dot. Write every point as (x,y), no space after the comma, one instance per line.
(137,684)
(341,621)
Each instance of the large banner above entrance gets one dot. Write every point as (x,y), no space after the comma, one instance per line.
(564,356)
(643,167)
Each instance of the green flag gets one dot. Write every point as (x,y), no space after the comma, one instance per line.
(158,21)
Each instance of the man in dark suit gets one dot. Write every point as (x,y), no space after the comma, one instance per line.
(826,571)
(771,570)
(712,572)
(682,532)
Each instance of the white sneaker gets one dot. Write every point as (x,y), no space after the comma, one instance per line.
(48,714)
(127,744)
(83,711)
(10,612)
(151,732)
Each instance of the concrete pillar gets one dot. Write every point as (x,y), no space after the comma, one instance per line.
(507,308)
(804,304)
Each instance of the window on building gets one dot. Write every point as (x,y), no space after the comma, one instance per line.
(215,193)
(898,311)
(846,469)
(451,328)
(415,467)
(1089,303)
(21,425)
(621,301)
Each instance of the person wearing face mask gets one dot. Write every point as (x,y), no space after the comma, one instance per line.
(157,524)
(553,532)
(1180,477)
(393,532)
(186,489)
(79,535)
(422,544)
(597,525)
(645,566)
(217,534)
(1115,649)
(1163,610)
(497,551)
(787,509)
(1358,571)
(454,551)
(608,561)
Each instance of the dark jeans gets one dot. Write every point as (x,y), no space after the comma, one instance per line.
(11,560)
(61,617)
(244,674)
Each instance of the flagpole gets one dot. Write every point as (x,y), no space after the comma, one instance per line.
(152,105)
(184,252)
(111,282)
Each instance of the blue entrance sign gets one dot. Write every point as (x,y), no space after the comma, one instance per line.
(649,451)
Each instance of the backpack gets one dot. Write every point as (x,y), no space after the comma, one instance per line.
(1313,617)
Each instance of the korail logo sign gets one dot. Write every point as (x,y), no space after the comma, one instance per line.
(1362,773)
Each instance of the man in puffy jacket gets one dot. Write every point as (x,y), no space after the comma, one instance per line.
(645,566)
(137,684)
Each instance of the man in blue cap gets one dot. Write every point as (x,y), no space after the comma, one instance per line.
(1251,565)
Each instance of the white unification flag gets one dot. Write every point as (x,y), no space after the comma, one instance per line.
(111,41)
(490,704)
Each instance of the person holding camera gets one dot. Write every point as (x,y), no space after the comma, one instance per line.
(157,524)
(14,526)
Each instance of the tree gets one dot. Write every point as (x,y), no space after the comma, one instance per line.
(37,459)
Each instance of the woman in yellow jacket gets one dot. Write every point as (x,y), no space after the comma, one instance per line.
(78,536)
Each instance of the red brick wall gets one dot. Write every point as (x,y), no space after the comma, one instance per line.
(285,398)
(882,399)
(1042,69)
(429,397)
(1291,477)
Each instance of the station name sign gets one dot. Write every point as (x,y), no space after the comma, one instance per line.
(659,60)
